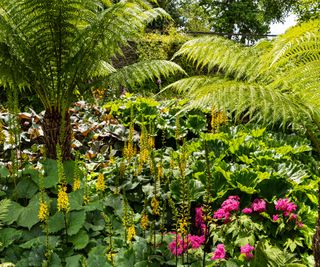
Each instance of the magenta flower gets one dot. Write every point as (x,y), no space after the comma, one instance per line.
(219,253)
(293,216)
(275,217)
(299,224)
(199,218)
(196,241)
(285,205)
(259,205)
(246,250)
(231,204)
(178,246)
(247,210)
(221,214)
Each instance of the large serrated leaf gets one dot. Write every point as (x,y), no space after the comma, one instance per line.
(76,221)
(56,222)
(80,240)
(8,236)
(53,242)
(26,188)
(97,257)
(15,210)
(29,215)
(76,200)
(73,261)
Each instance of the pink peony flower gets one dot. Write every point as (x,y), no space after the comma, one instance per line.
(275,217)
(247,210)
(293,216)
(259,205)
(246,250)
(219,253)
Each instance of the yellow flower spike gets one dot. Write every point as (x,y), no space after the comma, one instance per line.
(151,143)
(63,199)
(100,185)
(144,222)
(131,233)
(86,199)
(160,171)
(43,213)
(183,227)
(155,206)
(76,185)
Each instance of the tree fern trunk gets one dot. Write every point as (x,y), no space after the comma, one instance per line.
(316,237)
(57,130)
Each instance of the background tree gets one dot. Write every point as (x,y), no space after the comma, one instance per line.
(307,9)
(60,49)
(246,16)
(274,82)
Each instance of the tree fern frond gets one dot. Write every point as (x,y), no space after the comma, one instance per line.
(298,43)
(139,72)
(261,103)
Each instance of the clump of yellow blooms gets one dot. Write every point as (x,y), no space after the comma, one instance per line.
(2,135)
(100,185)
(129,150)
(43,213)
(111,255)
(63,199)
(183,227)
(86,199)
(122,169)
(151,142)
(217,118)
(131,233)
(155,206)
(76,184)
(160,171)
(144,222)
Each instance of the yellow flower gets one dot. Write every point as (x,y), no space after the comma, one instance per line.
(111,255)
(151,142)
(183,227)
(122,168)
(131,233)
(43,211)
(144,221)
(63,199)
(100,186)
(160,171)
(76,184)
(86,199)
(155,206)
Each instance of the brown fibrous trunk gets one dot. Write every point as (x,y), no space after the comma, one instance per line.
(57,130)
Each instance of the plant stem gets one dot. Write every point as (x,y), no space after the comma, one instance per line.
(66,225)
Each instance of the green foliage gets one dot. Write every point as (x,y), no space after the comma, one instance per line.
(188,165)
(272,82)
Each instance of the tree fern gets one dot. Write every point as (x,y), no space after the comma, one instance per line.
(272,81)
(58,47)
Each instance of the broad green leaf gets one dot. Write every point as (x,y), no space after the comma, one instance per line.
(73,261)
(8,236)
(29,215)
(80,240)
(97,257)
(56,222)
(26,188)
(14,211)
(54,242)
(76,221)
(76,200)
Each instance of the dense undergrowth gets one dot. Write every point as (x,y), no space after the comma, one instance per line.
(153,184)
